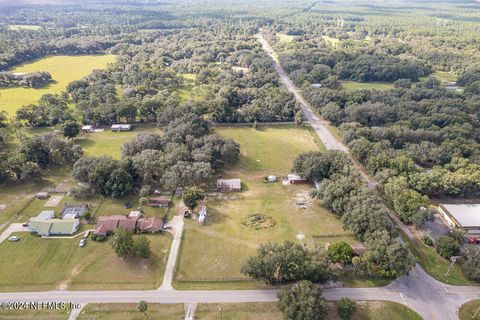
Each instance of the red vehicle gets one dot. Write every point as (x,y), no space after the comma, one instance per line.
(473,240)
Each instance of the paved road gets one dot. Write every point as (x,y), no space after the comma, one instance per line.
(429,297)
(76,312)
(419,291)
(177,230)
(190,311)
(321,127)
(14,227)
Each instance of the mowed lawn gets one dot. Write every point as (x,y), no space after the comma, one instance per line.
(217,250)
(34,263)
(129,311)
(355,85)
(14,197)
(64,69)
(470,311)
(108,143)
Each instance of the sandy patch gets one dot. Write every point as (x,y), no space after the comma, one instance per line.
(53,201)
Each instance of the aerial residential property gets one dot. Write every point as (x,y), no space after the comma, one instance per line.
(247,160)
(107,225)
(46,225)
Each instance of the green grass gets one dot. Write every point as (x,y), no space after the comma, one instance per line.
(64,69)
(354,85)
(190,92)
(224,242)
(270,148)
(238,311)
(16,196)
(377,310)
(34,314)
(51,264)
(470,311)
(111,206)
(282,37)
(436,265)
(189,76)
(442,76)
(23,27)
(128,311)
(334,42)
(109,143)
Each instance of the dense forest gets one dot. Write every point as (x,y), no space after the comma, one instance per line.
(420,137)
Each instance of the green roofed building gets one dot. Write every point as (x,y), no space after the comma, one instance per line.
(45,225)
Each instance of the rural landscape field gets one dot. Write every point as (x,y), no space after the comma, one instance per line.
(220,159)
(64,69)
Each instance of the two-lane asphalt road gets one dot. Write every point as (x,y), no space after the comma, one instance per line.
(419,291)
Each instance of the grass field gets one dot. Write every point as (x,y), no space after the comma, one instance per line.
(470,311)
(282,37)
(354,85)
(128,311)
(442,76)
(224,242)
(374,310)
(24,27)
(64,69)
(334,42)
(16,196)
(46,264)
(109,143)
(436,265)
(34,314)
(377,310)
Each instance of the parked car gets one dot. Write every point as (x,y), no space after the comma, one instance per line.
(14,238)
(25,225)
(167,226)
(127,205)
(82,242)
(474,240)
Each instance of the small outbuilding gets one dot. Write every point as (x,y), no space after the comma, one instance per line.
(229,185)
(87,128)
(295,179)
(121,127)
(162,202)
(135,214)
(272,178)
(75,210)
(202,214)
(42,195)
(179,192)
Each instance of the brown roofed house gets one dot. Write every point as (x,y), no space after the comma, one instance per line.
(153,224)
(162,202)
(109,224)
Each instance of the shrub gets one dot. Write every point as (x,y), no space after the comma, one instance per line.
(302,300)
(87,215)
(427,240)
(346,308)
(340,252)
(471,262)
(98,237)
(447,247)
